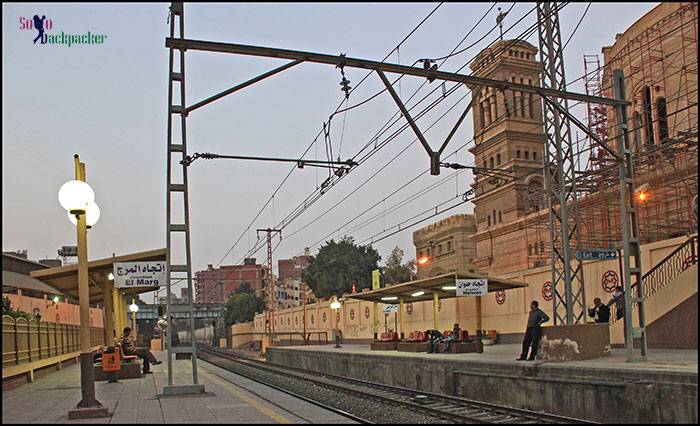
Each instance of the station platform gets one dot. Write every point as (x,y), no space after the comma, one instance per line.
(229,398)
(661,389)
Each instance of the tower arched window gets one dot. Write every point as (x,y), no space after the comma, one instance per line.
(663,118)
(646,111)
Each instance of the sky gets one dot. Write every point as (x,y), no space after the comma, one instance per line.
(107,102)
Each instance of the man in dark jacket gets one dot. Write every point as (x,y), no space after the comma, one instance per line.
(600,312)
(533,332)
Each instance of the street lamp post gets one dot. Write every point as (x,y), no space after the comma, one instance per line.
(335,305)
(78,198)
(133,308)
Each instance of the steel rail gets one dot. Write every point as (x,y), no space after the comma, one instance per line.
(442,406)
(296,395)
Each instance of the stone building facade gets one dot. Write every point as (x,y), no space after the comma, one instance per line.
(446,245)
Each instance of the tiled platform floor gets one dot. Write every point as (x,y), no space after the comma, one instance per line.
(658,360)
(229,399)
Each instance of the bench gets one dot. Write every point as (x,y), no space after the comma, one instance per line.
(387,342)
(131,367)
(465,343)
(417,341)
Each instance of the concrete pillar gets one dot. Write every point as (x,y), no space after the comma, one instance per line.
(108,313)
(436,324)
(401,318)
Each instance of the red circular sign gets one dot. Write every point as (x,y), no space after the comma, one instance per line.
(500,297)
(312,318)
(610,281)
(324,317)
(409,308)
(352,314)
(547,291)
(367,312)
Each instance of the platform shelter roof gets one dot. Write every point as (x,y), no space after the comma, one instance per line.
(65,278)
(444,285)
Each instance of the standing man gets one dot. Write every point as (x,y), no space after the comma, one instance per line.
(533,332)
(618,298)
(600,312)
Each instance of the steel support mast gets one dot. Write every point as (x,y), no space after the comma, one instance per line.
(271,299)
(179,259)
(630,228)
(569,305)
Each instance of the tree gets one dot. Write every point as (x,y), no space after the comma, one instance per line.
(244,288)
(340,264)
(242,307)
(394,271)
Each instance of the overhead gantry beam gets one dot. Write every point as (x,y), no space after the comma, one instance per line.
(343,61)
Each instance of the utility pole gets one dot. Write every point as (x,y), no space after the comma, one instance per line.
(271,300)
(569,305)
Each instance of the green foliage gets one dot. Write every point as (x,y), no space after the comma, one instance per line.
(338,265)
(244,288)
(242,307)
(394,271)
(7,310)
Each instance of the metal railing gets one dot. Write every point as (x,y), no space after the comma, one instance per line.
(28,341)
(665,271)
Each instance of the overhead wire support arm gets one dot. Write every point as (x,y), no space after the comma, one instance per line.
(242,86)
(335,60)
(583,127)
(300,162)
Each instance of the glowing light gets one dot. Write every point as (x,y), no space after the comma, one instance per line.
(449,287)
(335,305)
(423,260)
(418,293)
(56,299)
(75,195)
(111,276)
(390,298)
(134,307)
(92,215)
(642,196)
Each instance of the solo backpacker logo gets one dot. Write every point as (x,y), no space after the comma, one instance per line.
(44,24)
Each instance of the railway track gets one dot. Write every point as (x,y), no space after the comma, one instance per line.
(446,408)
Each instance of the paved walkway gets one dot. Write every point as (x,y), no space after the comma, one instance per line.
(658,360)
(229,399)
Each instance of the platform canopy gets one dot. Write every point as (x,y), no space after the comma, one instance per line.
(65,278)
(430,286)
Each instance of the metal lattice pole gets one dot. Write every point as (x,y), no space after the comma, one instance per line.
(630,227)
(177,150)
(570,307)
(271,299)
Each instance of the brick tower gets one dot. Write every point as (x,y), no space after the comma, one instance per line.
(508,136)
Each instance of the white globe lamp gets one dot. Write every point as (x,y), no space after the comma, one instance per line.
(75,196)
(92,215)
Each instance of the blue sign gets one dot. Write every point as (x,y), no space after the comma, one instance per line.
(597,254)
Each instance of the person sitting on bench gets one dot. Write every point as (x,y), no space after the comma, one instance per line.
(129,348)
(456,335)
(435,337)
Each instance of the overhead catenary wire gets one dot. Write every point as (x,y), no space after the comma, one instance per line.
(286,178)
(503,47)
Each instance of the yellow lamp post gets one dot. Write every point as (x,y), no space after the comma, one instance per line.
(78,199)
